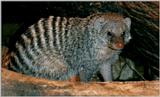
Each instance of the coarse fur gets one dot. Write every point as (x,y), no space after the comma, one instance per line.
(58,48)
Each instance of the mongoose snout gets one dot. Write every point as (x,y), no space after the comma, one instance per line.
(117,43)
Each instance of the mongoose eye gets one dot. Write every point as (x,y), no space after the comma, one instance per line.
(123,33)
(109,34)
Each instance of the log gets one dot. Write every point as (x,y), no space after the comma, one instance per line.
(16,84)
(5,57)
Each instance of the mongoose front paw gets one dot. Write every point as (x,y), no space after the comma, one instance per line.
(74,79)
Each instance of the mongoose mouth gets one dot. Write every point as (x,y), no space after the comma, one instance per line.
(116,47)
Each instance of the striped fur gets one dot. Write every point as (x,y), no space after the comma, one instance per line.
(58,47)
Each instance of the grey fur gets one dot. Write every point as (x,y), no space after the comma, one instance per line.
(59,48)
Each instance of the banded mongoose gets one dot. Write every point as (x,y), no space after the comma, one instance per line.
(59,48)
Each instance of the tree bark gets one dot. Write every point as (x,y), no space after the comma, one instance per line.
(16,84)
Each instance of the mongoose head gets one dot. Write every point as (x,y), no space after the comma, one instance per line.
(111,30)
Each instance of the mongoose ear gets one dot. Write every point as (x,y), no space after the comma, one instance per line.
(127,21)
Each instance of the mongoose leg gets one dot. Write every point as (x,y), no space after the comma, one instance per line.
(106,72)
(106,68)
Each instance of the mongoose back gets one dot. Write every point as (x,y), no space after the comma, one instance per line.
(59,48)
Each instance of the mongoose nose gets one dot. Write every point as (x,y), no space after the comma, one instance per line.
(119,45)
